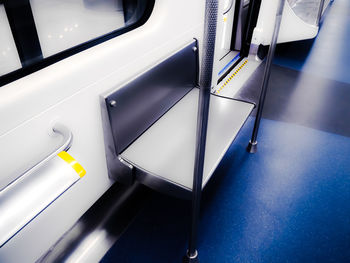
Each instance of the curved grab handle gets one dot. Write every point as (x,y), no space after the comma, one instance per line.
(67,142)
(228,8)
(67,138)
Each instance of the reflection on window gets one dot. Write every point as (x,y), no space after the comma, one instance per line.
(62,24)
(38,33)
(307,10)
(9,60)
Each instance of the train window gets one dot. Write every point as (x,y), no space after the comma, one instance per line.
(8,53)
(306,10)
(62,24)
(41,32)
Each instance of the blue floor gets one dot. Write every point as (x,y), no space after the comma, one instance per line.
(287,203)
(290,202)
(329,54)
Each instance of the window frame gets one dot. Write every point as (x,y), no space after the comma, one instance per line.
(45,62)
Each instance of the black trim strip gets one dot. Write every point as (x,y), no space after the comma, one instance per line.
(235,24)
(253,13)
(21,20)
(17,74)
(230,69)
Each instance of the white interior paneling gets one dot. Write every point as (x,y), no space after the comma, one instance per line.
(68,91)
(292,27)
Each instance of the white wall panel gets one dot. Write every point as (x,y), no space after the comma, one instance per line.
(69,91)
(292,28)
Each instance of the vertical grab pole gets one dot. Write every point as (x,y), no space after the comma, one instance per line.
(252,146)
(205,82)
(320,11)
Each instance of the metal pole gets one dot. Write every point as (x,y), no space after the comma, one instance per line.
(320,11)
(205,82)
(252,146)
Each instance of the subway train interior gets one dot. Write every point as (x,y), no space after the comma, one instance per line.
(162,131)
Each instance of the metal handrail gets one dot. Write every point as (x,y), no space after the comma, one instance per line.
(67,142)
(228,8)
(320,11)
(252,146)
(205,84)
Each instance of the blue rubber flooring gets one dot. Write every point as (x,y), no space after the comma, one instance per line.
(287,203)
(328,54)
(290,202)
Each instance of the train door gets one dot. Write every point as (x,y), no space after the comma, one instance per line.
(248,27)
(227,16)
(236,23)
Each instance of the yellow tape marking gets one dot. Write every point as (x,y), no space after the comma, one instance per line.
(72,162)
(232,76)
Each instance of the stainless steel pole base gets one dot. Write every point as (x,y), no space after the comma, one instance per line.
(252,147)
(191,259)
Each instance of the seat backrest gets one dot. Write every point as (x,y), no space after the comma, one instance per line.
(135,107)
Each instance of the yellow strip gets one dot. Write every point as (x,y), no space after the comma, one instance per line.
(72,162)
(233,75)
